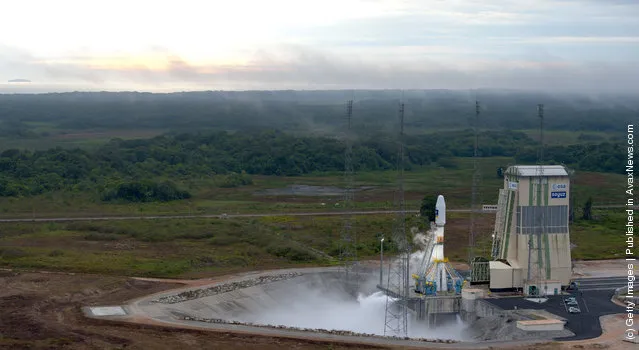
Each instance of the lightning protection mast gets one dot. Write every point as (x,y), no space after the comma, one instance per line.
(474,207)
(536,237)
(396,319)
(348,252)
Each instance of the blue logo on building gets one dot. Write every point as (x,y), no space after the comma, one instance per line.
(561,194)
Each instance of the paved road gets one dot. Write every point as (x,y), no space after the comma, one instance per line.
(219,216)
(613,206)
(216,216)
(601,283)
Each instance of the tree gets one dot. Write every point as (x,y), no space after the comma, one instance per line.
(500,172)
(427,210)
(587,211)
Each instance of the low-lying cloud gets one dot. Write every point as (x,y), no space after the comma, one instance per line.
(300,67)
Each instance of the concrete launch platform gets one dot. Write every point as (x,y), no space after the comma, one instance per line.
(106,311)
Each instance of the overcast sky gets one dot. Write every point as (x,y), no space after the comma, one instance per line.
(579,45)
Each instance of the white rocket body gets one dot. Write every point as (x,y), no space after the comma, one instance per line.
(438,251)
(440,211)
(440,221)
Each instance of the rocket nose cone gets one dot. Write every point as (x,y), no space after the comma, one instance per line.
(440,200)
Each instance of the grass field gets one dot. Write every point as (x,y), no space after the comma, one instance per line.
(188,248)
(198,247)
(602,237)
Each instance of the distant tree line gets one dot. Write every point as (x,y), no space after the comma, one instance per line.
(36,115)
(603,157)
(136,170)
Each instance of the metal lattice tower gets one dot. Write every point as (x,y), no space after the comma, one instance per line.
(396,319)
(474,207)
(348,251)
(535,248)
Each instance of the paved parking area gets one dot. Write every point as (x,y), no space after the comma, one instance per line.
(592,303)
(601,283)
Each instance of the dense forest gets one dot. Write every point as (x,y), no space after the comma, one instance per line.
(315,112)
(138,169)
(233,135)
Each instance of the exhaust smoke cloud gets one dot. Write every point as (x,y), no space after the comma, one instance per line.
(331,308)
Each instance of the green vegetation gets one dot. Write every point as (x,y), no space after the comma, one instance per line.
(236,180)
(427,209)
(207,197)
(565,137)
(602,157)
(144,191)
(88,154)
(587,210)
(602,237)
(190,247)
(238,156)
(193,247)
(185,247)
(49,116)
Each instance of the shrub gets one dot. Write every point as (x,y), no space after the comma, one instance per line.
(12,253)
(195,235)
(290,252)
(145,191)
(236,180)
(96,236)
(56,252)
(224,240)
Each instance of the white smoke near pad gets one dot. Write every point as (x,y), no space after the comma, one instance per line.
(330,310)
(419,259)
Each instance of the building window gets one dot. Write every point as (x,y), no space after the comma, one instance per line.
(530,219)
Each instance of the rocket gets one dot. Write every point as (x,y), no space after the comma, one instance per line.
(440,211)
(438,251)
(440,222)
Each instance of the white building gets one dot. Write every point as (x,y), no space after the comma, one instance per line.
(534,201)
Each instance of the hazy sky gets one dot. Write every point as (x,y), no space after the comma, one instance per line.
(588,45)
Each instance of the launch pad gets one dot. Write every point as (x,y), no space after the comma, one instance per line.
(439,279)
(433,308)
(436,295)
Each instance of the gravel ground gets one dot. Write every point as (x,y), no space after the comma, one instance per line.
(223,288)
